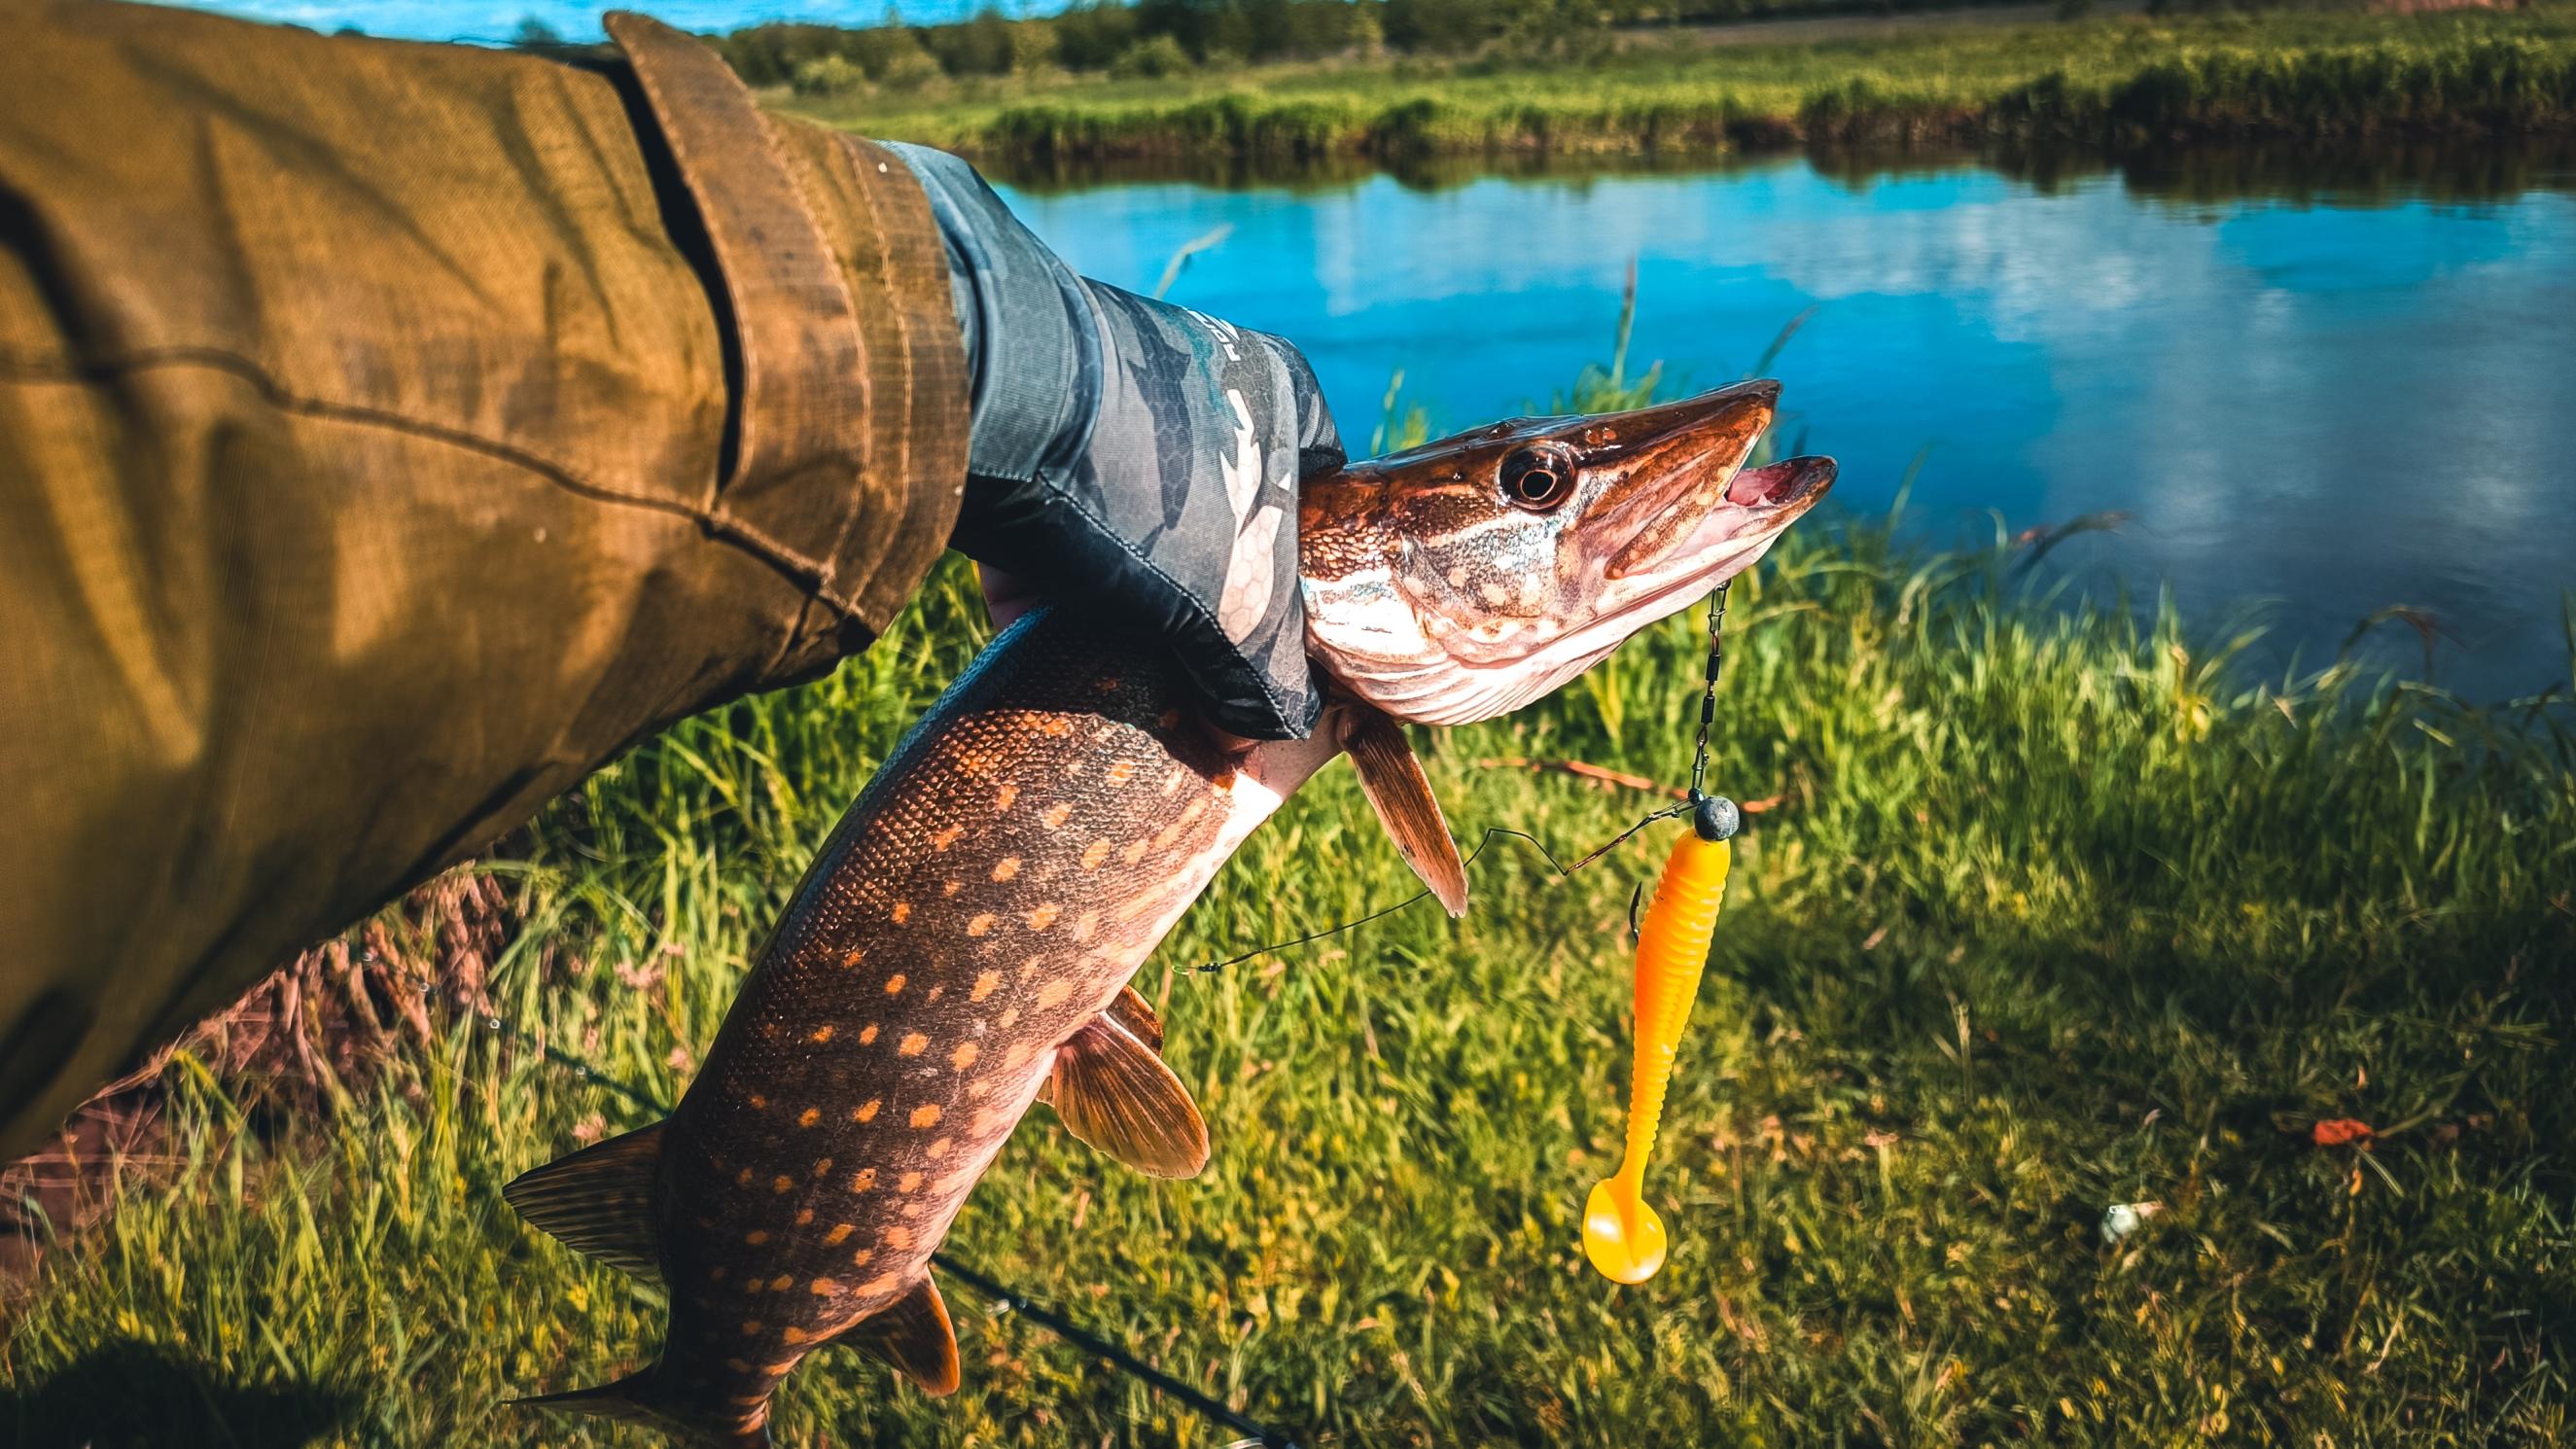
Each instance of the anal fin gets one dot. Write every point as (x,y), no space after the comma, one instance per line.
(600,1200)
(1113,1091)
(914,1337)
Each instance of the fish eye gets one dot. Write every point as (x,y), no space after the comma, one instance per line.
(1538,478)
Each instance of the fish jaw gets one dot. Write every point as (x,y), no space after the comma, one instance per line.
(1464,579)
(1725,542)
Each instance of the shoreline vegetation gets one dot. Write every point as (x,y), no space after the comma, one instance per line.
(2056,908)
(2115,83)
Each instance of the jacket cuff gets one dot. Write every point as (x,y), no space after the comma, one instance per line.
(1032,347)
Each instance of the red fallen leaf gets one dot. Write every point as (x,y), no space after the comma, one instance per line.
(2341,1131)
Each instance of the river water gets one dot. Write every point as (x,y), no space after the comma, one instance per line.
(2317,386)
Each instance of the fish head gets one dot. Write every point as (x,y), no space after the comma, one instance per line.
(1463,579)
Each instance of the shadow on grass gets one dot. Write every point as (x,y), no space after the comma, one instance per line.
(129,1395)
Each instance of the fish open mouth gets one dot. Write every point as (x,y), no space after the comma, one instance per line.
(1758,506)
(1790,483)
(1676,460)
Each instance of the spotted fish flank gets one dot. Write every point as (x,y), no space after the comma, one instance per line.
(961,947)
(979,792)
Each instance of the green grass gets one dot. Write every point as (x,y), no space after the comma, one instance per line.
(2118,80)
(2058,910)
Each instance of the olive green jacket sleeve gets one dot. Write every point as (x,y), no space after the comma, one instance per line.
(389,435)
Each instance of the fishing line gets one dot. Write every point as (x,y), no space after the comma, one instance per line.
(1492,832)
(1690,804)
(1008,1302)
(1005,1300)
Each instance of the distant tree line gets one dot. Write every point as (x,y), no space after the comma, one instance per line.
(1150,38)
(1160,37)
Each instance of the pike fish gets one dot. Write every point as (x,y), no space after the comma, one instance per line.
(960,948)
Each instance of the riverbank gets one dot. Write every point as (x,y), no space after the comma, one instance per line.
(2116,81)
(2048,911)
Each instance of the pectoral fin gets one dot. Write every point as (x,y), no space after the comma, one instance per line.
(914,1337)
(600,1200)
(1114,1092)
(1397,789)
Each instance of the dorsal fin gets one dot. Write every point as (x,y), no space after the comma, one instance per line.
(1114,1092)
(914,1336)
(1401,794)
(600,1200)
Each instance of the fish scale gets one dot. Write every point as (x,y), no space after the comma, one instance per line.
(987,896)
(961,945)
(990,892)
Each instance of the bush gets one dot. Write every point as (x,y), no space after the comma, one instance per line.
(1093,36)
(827,76)
(534,34)
(1367,35)
(1439,24)
(980,46)
(1151,59)
(1033,46)
(906,65)
(768,55)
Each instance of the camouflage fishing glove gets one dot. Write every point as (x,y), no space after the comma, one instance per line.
(1135,457)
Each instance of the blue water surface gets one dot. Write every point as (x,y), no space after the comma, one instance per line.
(2317,409)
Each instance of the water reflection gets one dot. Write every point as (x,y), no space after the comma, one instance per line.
(2376,173)
(2337,385)
(2384,173)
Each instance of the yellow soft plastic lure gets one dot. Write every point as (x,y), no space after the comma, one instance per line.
(1621,1235)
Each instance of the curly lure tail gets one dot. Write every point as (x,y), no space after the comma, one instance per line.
(1622,1235)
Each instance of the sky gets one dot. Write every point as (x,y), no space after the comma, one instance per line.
(492,21)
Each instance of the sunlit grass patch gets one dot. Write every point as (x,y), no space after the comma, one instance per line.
(2058,908)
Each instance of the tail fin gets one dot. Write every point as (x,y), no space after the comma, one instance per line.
(643,1398)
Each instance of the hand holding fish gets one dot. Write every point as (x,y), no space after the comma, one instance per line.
(1138,455)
